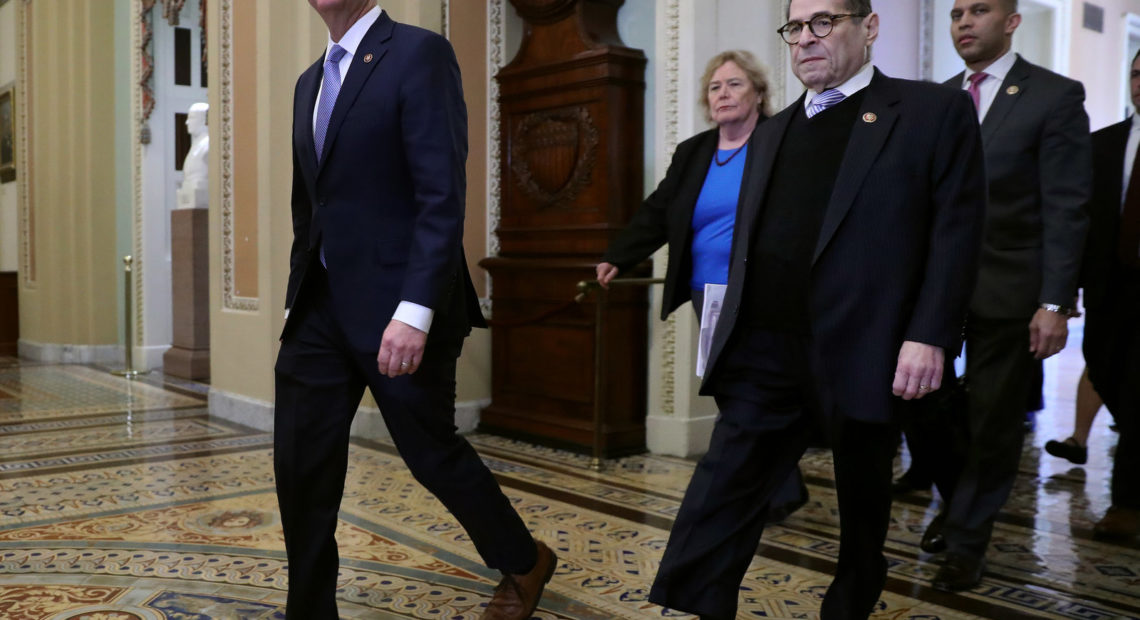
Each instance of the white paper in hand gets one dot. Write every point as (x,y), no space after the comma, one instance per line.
(710,314)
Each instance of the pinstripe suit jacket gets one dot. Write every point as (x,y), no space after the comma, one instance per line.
(898,250)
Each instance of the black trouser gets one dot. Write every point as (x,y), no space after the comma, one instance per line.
(1112,353)
(936,434)
(793,493)
(319,382)
(767,397)
(999,371)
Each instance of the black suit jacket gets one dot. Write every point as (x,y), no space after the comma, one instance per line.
(1109,145)
(1038,161)
(898,249)
(387,199)
(667,216)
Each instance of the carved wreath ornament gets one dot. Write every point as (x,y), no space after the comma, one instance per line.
(553,154)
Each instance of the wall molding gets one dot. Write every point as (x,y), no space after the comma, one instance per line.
(230,299)
(23,139)
(496,53)
(368,423)
(672,120)
(679,436)
(926,40)
(445,18)
(53,353)
(142,102)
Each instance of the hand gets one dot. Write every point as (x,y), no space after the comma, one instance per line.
(401,349)
(919,371)
(606,272)
(1048,332)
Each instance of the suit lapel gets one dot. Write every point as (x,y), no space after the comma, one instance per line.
(762,150)
(1010,91)
(373,46)
(876,119)
(303,118)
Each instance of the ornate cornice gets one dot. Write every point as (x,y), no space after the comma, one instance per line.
(23,138)
(230,300)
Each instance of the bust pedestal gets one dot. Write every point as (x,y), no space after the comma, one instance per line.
(189,355)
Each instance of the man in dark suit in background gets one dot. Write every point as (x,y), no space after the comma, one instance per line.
(1035,134)
(855,251)
(1110,277)
(379,296)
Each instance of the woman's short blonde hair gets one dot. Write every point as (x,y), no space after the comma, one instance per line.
(747,63)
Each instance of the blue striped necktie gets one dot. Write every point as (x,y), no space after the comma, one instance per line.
(330,88)
(824,100)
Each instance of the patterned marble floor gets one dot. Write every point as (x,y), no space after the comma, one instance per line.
(124,500)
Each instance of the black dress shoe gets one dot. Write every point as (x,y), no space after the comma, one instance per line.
(960,572)
(932,539)
(1069,450)
(909,482)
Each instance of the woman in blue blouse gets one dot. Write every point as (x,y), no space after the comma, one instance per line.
(693,209)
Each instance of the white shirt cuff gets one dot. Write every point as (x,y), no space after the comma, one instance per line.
(415,315)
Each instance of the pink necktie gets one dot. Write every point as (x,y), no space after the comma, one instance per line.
(975,81)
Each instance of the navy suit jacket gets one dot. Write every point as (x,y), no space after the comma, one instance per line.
(898,250)
(387,198)
(1109,145)
(1039,166)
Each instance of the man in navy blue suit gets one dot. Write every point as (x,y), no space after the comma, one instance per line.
(379,296)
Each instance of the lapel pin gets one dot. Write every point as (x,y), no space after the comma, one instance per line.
(1012,90)
(368,57)
(870,117)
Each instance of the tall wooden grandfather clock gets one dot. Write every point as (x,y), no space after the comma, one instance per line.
(572,109)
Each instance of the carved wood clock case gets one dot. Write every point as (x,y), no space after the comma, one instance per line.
(571,145)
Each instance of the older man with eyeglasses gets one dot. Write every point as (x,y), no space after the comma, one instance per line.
(855,250)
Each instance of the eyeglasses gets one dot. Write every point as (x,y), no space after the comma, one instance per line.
(820,26)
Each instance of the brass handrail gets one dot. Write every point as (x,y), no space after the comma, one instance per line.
(585,287)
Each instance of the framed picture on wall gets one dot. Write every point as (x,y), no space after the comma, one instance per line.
(7,133)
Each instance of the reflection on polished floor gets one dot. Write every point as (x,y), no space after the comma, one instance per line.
(125,501)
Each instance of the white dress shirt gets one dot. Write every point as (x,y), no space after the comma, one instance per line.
(854,84)
(419,317)
(988,89)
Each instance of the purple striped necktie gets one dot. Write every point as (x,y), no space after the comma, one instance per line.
(824,100)
(330,88)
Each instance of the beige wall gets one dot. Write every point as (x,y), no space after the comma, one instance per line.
(1099,59)
(9,192)
(272,44)
(73,260)
(277,43)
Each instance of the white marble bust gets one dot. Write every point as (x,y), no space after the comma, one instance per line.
(194,192)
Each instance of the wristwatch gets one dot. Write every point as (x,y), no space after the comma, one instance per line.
(1059,309)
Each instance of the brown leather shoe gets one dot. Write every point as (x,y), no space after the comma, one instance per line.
(516,596)
(1118,523)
